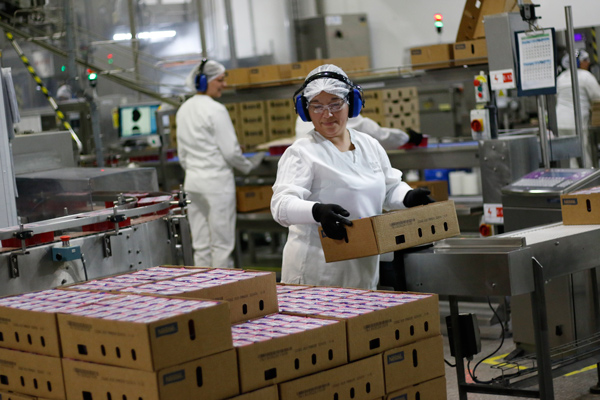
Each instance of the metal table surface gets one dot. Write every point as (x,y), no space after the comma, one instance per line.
(514,263)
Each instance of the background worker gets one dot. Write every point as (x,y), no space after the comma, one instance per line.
(388,138)
(333,175)
(208,152)
(589,91)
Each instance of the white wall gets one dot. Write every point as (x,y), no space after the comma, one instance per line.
(270,34)
(397,25)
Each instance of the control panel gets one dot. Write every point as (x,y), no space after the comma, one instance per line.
(482,89)
(480,124)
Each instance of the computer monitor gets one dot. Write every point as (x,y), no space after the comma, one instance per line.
(137,120)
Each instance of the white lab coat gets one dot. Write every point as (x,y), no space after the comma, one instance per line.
(589,91)
(389,138)
(362,181)
(208,151)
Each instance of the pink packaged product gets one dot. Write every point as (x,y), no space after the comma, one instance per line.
(140,308)
(289,288)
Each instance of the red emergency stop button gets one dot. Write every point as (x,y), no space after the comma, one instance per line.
(66,240)
(477,125)
(476,82)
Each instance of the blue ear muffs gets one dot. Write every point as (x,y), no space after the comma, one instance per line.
(301,106)
(356,102)
(355,97)
(201,81)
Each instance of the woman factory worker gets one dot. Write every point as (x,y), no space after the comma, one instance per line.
(334,174)
(208,151)
(589,91)
(388,138)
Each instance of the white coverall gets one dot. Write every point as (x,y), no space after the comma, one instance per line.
(389,138)
(208,151)
(362,181)
(589,91)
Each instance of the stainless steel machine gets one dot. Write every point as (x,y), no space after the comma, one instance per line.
(534,199)
(140,231)
(332,36)
(114,219)
(516,263)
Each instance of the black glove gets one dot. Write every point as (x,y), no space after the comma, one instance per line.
(414,137)
(331,217)
(418,197)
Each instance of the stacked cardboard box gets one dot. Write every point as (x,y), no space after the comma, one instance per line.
(401,108)
(581,207)
(252,123)
(268,75)
(470,52)
(595,114)
(234,114)
(253,198)
(147,334)
(281,119)
(432,57)
(373,106)
(249,294)
(394,342)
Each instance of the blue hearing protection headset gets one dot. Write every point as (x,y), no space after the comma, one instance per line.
(355,97)
(201,80)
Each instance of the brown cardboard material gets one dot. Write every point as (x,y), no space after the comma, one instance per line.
(470,52)
(303,68)
(291,356)
(252,122)
(595,119)
(413,363)
(147,346)
(434,389)
(247,299)
(471,24)
(32,374)
(237,76)
(375,113)
(16,396)
(381,330)
(267,393)
(31,331)
(438,189)
(386,329)
(252,198)
(281,119)
(358,380)
(211,378)
(264,73)
(350,65)
(409,92)
(393,231)
(431,57)
(581,207)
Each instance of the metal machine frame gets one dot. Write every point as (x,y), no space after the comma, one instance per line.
(157,235)
(519,262)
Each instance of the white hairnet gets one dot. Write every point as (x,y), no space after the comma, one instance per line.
(582,55)
(212,69)
(329,85)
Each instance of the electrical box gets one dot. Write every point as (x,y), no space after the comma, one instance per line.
(482,89)
(480,124)
(332,36)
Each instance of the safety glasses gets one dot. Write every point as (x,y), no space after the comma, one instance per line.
(334,107)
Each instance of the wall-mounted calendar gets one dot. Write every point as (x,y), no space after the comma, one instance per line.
(536,62)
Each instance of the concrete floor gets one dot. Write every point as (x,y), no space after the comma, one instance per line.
(575,386)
